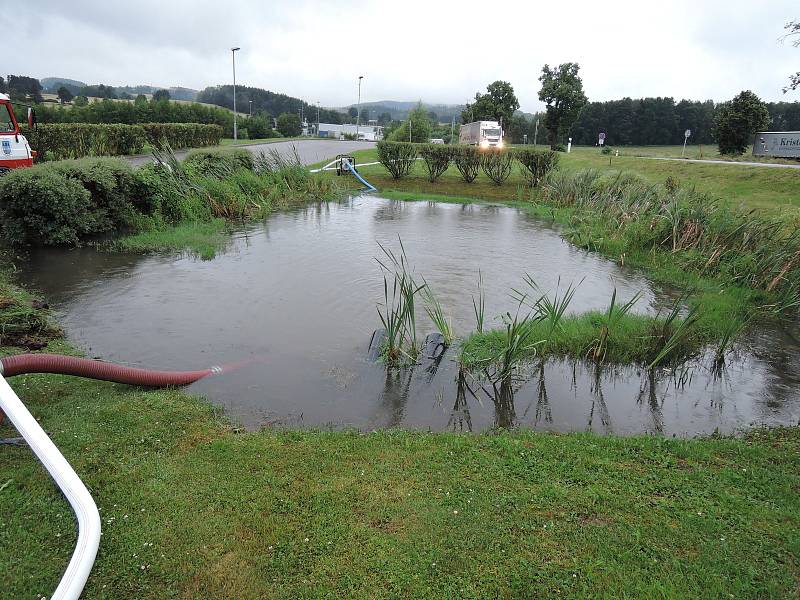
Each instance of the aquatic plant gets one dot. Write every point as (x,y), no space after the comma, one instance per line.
(436,313)
(614,314)
(398,311)
(670,339)
(479,305)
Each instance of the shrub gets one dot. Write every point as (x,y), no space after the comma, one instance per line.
(559,148)
(45,205)
(182,135)
(212,162)
(606,150)
(536,164)
(78,140)
(397,157)
(110,182)
(468,162)
(497,164)
(437,158)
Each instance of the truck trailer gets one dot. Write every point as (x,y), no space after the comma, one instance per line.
(483,134)
(780,144)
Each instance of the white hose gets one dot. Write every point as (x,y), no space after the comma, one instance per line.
(74,578)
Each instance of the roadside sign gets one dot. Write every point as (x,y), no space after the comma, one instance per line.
(687,133)
(601,138)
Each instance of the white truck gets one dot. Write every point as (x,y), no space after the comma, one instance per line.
(484,134)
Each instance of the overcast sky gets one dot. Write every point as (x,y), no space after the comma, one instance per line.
(434,50)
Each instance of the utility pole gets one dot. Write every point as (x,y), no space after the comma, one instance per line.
(317,118)
(452,128)
(251,108)
(233,55)
(358,113)
(535,132)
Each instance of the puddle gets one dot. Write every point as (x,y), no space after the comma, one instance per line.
(297,295)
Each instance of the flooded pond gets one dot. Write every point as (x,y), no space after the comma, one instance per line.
(297,294)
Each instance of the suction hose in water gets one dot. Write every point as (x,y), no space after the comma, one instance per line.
(97,369)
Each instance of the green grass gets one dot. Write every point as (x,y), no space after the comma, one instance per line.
(761,188)
(198,238)
(211,513)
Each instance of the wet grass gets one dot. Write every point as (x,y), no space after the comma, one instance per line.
(197,238)
(24,318)
(192,509)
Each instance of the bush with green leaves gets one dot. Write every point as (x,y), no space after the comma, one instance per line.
(397,157)
(468,162)
(210,162)
(536,164)
(497,164)
(437,159)
(66,203)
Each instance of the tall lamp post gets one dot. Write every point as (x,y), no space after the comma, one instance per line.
(233,55)
(358,114)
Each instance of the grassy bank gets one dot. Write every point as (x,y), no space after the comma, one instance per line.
(191,509)
(765,189)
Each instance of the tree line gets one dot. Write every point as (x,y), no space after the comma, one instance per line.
(662,121)
(265,103)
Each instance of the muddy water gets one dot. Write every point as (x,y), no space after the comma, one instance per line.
(296,297)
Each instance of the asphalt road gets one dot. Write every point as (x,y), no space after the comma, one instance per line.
(726,162)
(309,151)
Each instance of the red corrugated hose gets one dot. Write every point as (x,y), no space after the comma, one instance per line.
(97,369)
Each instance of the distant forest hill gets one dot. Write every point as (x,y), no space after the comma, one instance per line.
(394,110)
(50,85)
(266,103)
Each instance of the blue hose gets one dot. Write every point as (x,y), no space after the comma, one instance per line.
(368,186)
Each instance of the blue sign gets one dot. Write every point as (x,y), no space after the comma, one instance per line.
(6,146)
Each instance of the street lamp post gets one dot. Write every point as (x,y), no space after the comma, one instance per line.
(358,113)
(233,55)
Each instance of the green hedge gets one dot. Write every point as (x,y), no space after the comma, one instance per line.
(77,140)
(183,135)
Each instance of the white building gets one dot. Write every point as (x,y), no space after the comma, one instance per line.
(370,132)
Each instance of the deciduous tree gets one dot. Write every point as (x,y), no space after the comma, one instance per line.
(738,120)
(289,124)
(64,95)
(498,104)
(562,91)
